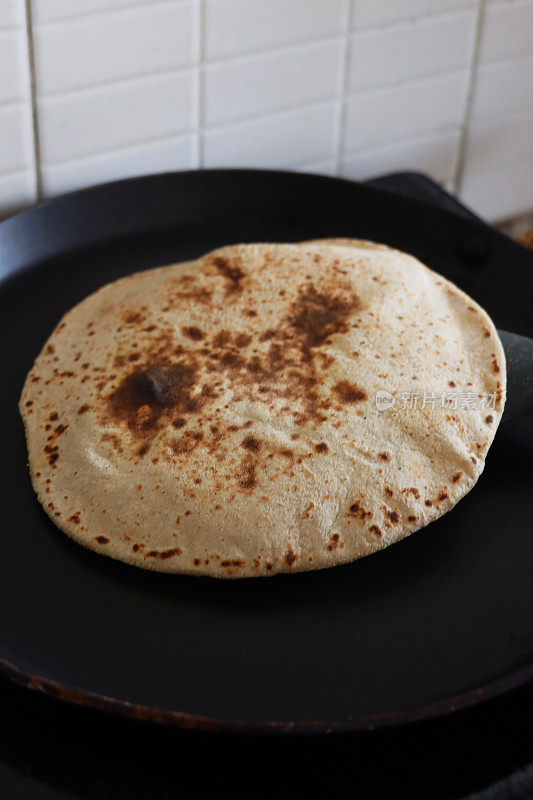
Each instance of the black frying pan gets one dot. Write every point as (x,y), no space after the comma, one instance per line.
(436,622)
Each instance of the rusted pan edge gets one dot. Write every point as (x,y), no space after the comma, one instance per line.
(274,727)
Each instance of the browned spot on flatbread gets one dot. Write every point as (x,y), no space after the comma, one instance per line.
(163,554)
(192,332)
(113,439)
(52,452)
(246,476)
(146,394)
(251,443)
(356,510)
(232,273)
(290,557)
(133,318)
(349,393)
(317,315)
(334,540)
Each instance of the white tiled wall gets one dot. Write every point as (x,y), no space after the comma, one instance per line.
(95,90)
(17,162)
(498,176)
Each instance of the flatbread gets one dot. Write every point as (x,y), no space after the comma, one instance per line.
(255,411)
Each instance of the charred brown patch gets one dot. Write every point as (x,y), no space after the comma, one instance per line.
(315,316)
(251,443)
(187,443)
(385,456)
(356,510)
(163,554)
(333,542)
(412,490)
(289,558)
(428,503)
(75,518)
(133,317)
(243,339)
(101,539)
(393,517)
(349,393)
(442,496)
(457,477)
(375,530)
(412,518)
(233,360)
(321,447)
(147,393)
(192,332)
(246,477)
(232,273)
(222,339)
(489,419)
(52,451)
(234,562)
(84,408)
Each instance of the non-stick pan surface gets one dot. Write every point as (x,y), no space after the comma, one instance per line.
(438,621)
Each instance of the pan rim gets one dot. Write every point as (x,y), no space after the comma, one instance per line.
(389,719)
(312,727)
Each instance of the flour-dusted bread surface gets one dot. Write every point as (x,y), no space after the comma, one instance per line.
(219,417)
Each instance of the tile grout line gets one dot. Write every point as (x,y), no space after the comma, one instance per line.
(200,86)
(342,81)
(186,133)
(190,69)
(33,102)
(127,7)
(462,145)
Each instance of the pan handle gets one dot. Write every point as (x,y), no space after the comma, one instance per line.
(519,358)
